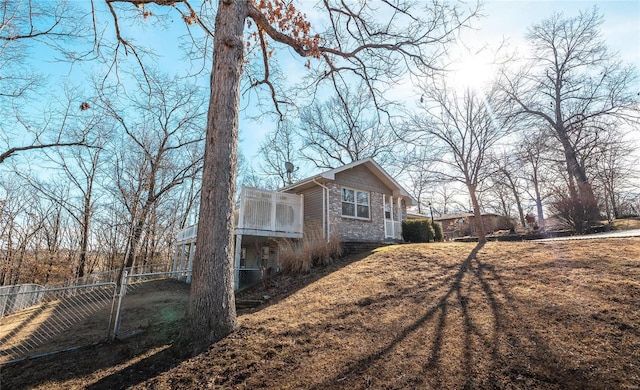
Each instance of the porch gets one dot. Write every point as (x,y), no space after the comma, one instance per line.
(392,217)
(259,215)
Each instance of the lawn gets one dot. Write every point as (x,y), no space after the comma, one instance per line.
(552,315)
(626,224)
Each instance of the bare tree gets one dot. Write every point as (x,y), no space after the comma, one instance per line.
(375,42)
(161,150)
(446,196)
(417,164)
(278,150)
(21,208)
(346,128)
(462,127)
(615,169)
(505,183)
(83,176)
(77,170)
(572,85)
(498,197)
(534,151)
(13,203)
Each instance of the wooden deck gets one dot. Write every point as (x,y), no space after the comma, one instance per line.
(261,213)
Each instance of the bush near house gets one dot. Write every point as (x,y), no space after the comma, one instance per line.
(300,256)
(438,236)
(421,230)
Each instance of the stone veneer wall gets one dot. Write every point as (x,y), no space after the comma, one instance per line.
(352,228)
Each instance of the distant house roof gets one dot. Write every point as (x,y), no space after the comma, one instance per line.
(373,166)
(444,217)
(416,215)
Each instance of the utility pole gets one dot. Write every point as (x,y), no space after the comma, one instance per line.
(431,211)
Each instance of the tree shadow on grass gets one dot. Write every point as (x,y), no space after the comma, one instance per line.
(475,300)
(108,357)
(113,358)
(283,285)
(439,310)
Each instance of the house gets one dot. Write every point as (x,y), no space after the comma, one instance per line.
(463,224)
(357,202)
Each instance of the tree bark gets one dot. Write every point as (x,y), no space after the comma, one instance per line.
(482,237)
(84,235)
(514,190)
(536,188)
(212,311)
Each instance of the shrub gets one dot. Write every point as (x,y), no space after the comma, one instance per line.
(417,230)
(578,213)
(300,256)
(437,232)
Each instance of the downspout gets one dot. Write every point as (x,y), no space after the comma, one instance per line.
(325,209)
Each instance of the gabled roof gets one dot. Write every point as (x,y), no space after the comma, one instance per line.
(369,163)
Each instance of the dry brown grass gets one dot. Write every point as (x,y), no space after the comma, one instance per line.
(313,250)
(552,315)
(626,224)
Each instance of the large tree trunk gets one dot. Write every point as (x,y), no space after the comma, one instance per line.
(516,195)
(84,237)
(582,192)
(480,232)
(536,188)
(212,311)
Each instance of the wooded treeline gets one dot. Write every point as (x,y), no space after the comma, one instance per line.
(103,174)
(118,198)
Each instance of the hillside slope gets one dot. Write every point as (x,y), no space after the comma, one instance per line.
(451,315)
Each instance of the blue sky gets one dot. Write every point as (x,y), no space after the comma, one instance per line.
(504,19)
(510,19)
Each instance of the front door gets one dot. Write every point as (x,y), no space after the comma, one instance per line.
(392,217)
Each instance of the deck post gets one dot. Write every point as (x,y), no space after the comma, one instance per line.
(192,251)
(236,266)
(384,214)
(274,208)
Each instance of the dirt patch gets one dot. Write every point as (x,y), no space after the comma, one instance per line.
(86,319)
(549,315)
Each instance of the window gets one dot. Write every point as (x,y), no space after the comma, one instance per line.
(355,203)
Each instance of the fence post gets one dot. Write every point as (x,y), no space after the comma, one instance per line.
(120,296)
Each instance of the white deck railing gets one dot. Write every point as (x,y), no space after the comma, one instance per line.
(187,233)
(269,211)
(262,212)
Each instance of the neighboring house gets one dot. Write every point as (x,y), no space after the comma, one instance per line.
(358,202)
(463,224)
(416,215)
